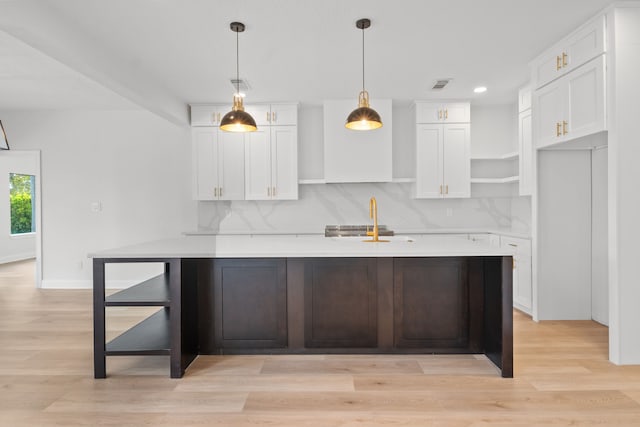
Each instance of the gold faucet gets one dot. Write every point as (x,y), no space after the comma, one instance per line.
(373,213)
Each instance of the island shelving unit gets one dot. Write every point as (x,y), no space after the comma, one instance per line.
(170,331)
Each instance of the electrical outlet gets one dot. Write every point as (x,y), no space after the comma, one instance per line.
(449,211)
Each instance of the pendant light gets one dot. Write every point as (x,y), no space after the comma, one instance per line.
(363,117)
(238,120)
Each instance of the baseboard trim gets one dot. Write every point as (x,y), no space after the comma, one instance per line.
(17,257)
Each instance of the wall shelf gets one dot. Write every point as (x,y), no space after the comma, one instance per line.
(507,156)
(506,180)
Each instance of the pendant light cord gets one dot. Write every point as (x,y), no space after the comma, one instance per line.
(363,59)
(237,64)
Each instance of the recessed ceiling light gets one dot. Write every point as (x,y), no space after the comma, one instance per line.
(480,89)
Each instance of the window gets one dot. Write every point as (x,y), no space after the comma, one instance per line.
(22,200)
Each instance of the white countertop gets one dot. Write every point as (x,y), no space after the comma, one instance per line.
(303,246)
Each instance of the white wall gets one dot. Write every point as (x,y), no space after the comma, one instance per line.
(623,68)
(134,164)
(14,248)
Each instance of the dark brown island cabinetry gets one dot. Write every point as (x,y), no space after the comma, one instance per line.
(340,303)
(250,303)
(321,305)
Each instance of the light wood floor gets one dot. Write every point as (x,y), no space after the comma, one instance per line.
(562,377)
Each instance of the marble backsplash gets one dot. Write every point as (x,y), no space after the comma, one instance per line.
(322,204)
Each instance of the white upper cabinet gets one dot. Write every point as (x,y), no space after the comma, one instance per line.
(572,106)
(208,115)
(581,46)
(434,112)
(443,150)
(261,165)
(443,167)
(271,168)
(274,114)
(352,155)
(218,163)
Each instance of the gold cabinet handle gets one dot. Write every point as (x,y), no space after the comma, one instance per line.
(446,191)
(441,189)
(446,114)
(269,191)
(268,116)
(558,62)
(558,129)
(274,117)
(564,59)
(439,114)
(564,127)
(273,192)
(215,192)
(220,191)
(218,115)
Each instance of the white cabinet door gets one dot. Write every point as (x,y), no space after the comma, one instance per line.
(437,112)
(271,163)
(580,47)
(230,165)
(443,161)
(585,107)
(284,114)
(258,164)
(457,160)
(261,113)
(572,106)
(525,142)
(429,157)
(284,162)
(522,289)
(550,111)
(204,145)
(208,115)
(218,164)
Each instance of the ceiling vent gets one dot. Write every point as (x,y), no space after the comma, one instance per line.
(440,84)
(240,84)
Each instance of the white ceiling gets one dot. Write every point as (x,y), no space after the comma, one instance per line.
(164,54)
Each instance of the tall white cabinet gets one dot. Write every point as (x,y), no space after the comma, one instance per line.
(443,151)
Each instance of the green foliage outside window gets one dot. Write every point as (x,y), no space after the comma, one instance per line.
(21,201)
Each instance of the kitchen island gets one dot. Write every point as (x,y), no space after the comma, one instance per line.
(307,294)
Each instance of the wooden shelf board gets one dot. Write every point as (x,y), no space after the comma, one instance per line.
(149,337)
(152,292)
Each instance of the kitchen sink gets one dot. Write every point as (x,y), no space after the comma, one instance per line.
(391,239)
(354,230)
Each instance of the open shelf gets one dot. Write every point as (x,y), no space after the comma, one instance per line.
(507,156)
(149,337)
(152,292)
(505,180)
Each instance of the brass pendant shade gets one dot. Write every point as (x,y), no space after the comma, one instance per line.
(364,117)
(238,120)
